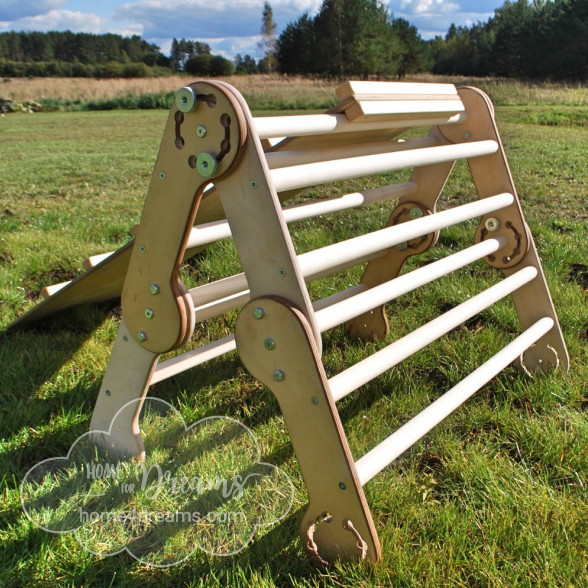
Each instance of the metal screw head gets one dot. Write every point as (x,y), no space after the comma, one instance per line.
(314,400)
(201,131)
(185,99)
(142,336)
(149,313)
(206,164)
(492,224)
(154,289)
(402,246)
(415,212)
(258,313)
(269,344)
(282,272)
(467,135)
(107,392)
(253,184)
(279,375)
(342,485)
(125,338)
(142,248)
(162,175)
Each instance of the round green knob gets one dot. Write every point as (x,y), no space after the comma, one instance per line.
(206,164)
(185,99)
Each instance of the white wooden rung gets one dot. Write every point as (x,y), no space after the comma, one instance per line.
(310,174)
(388,450)
(280,159)
(345,310)
(362,372)
(319,124)
(332,258)
(215,231)
(181,363)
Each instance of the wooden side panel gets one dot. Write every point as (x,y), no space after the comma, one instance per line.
(313,424)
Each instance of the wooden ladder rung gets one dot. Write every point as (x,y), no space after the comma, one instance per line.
(403,438)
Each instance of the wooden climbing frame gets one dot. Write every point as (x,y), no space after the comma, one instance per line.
(221,173)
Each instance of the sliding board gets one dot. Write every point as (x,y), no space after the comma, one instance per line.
(221,174)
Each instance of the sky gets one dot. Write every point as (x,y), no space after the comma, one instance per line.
(228,26)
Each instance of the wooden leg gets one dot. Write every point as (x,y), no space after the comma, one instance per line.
(127,378)
(276,344)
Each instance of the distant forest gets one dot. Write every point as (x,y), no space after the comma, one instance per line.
(541,39)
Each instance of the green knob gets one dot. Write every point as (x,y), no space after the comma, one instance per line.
(206,164)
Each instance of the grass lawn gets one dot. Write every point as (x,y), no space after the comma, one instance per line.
(497,495)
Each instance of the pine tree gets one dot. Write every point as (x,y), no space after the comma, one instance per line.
(268,43)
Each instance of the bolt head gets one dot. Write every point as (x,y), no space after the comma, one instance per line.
(258,313)
(201,131)
(282,272)
(314,400)
(107,392)
(269,344)
(206,164)
(162,175)
(492,224)
(254,184)
(141,336)
(342,485)
(279,375)
(149,313)
(154,289)
(402,246)
(415,212)
(186,99)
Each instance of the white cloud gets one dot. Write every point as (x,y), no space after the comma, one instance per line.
(426,7)
(60,20)
(11,10)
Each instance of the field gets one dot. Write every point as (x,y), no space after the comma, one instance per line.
(497,495)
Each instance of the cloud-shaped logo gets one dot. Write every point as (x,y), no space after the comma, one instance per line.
(200,487)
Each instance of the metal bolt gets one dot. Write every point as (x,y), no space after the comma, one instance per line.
(149,313)
(279,375)
(125,338)
(492,224)
(342,485)
(282,272)
(467,135)
(258,313)
(269,344)
(415,212)
(154,289)
(254,184)
(186,99)
(402,246)
(107,392)
(201,131)
(314,400)
(142,248)
(162,175)
(206,164)
(142,336)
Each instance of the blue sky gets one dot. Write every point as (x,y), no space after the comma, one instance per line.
(228,26)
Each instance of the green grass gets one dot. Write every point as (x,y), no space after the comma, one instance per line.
(497,495)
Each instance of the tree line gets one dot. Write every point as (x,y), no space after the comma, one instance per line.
(535,39)
(545,39)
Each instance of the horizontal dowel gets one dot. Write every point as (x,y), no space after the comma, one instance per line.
(310,174)
(215,231)
(332,258)
(280,159)
(343,311)
(374,365)
(388,450)
(181,363)
(318,124)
